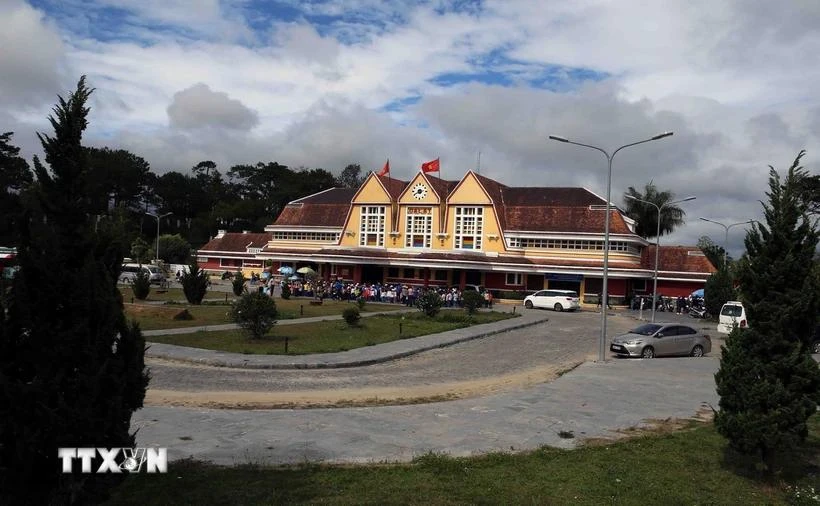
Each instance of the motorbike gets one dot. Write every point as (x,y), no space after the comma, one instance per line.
(699,312)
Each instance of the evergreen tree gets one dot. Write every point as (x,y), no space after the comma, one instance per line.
(71,368)
(15,177)
(194,283)
(768,382)
(718,290)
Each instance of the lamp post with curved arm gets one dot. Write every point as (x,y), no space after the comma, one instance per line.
(158,217)
(604,288)
(726,237)
(658,242)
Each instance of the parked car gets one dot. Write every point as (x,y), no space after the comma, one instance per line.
(474,288)
(558,300)
(129,273)
(652,340)
(732,313)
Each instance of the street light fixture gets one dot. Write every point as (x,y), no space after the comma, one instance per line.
(604,288)
(726,238)
(658,242)
(158,217)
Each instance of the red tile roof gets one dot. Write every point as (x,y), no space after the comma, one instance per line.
(329,196)
(394,186)
(313,215)
(563,219)
(441,186)
(677,259)
(236,242)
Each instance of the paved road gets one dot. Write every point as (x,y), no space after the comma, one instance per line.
(519,357)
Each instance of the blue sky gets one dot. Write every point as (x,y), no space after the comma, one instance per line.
(328,83)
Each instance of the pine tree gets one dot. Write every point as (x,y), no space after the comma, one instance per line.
(72,369)
(768,382)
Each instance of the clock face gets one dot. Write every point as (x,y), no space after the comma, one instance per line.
(419,191)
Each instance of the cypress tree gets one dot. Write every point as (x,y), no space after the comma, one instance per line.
(768,382)
(72,369)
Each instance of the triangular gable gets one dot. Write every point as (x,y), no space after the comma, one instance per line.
(431,195)
(469,191)
(372,191)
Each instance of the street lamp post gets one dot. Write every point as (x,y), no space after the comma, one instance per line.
(158,217)
(604,288)
(658,242)
(726,237)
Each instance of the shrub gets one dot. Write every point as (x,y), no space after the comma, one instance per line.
(141,285)
(361,302)
(255,313)
(183,315)
(286,291)
(351,315)
(472,300)
(429,303)
(238,284)
(194,283)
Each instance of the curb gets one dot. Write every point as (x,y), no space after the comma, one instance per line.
(235,362)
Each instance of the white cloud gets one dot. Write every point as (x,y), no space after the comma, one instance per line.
(733,80)
(30,57)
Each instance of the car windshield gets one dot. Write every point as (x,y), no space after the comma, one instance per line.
(153,270)
(646,329)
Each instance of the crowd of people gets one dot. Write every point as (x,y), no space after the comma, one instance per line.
(390,293)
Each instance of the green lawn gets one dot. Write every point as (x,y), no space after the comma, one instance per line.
(331,336)
(151,316)
(683,467)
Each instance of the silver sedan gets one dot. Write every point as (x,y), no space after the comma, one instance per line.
(652,340)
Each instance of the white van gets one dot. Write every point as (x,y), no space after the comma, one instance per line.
(559,300)
(129,273)
(732,313)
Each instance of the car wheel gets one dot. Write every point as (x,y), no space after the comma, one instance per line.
(697,351)
(648,352)
(558,307)
(528,304)
(815,347)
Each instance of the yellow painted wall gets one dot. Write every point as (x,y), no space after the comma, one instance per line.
(470,192)
(407,196)
(371,193)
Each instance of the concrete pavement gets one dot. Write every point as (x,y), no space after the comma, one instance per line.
(594,400)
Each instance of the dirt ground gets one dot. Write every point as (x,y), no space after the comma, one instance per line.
(357,397)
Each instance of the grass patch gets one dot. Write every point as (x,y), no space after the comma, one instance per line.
(330,336)
(684,467)
(153,317)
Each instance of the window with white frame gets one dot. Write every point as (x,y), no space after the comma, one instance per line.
(419,227)
(469,226)
(371,228)
(306,236)
(515,278)
(535,243)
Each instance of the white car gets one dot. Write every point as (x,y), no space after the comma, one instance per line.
(732,313)
(559,300)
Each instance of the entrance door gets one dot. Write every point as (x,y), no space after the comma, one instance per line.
(372,273)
